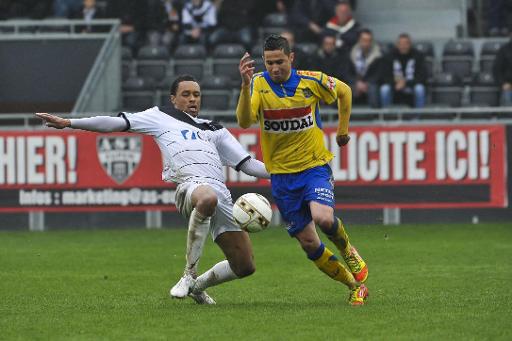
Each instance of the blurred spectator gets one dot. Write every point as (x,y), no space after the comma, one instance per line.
(499,10)
(163,22)
(267,7)
(343,26)
(66,8)
(284,6)
(403,75)
(198,18)
(301,60)
(88,12)
(235,18)
(308,17)
(331,61)
(502,70)
(365,57)
(132,14)
(34,9)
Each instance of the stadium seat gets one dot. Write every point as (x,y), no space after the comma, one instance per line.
(215,82)
(164,97)
(307,48)
(458,59)
(138,100)
(427,48)
(190,59)
(127,70)
(484,90)
(488,53)
(138,94)
(257,56)
(226,58)
(139,83)
(151,52)
(152,68)
(235,51)
(152,61)
(273,23)
(126,53)
(446,90)
(165,84)
(386,46)
(212,99)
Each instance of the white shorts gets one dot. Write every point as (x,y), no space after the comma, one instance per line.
(222,221)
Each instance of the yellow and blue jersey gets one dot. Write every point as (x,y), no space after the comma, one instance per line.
(289,117)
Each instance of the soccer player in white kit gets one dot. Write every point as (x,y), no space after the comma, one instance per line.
(193,152)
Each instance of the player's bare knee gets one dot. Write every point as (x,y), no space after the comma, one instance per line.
(244,269)
(207,204)
(309,245)
(324,221)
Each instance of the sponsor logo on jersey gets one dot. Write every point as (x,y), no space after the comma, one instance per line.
(331,83)
(307,92)
(287,120)
(119,155)
(308,73)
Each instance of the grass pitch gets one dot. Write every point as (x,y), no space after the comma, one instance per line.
(426,282)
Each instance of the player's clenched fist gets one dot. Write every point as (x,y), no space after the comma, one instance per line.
(54,121)
(246,68)
(342,140)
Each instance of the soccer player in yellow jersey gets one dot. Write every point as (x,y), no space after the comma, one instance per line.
(285,102)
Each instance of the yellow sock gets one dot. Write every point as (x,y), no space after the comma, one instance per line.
(339,236)
(327,262)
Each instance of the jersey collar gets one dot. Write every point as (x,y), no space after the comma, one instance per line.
(186,118)
(285,89)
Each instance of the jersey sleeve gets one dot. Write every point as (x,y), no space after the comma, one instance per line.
(327,88)
(231,152)
(255,100)
(143,122)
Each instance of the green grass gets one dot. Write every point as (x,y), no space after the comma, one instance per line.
(426,282)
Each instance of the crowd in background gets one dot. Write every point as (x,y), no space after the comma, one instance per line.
(379,75)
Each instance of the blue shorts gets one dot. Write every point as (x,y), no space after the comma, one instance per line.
(293,192)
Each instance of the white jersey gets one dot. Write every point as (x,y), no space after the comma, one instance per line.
(193,149)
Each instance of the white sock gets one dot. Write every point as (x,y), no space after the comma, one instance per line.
(198,226)
(219,273)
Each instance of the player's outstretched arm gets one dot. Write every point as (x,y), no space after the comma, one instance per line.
(101,124)
(255,168)
(344,111)
(243,109)
(53,121)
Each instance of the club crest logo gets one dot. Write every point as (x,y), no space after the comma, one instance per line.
(119,155)
(307,92)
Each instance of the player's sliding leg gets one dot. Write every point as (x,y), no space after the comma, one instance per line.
(333,227)
(239,262)
(204,201)
(197,232)
(327,262)
(323,258)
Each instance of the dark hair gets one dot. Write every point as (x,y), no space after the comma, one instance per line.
(363,31)
(404,35)
(275,42)
(343,2)
(178,80)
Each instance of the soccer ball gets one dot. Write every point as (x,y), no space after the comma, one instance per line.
(252,212)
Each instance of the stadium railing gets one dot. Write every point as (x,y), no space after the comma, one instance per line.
(360,116)
(101,89)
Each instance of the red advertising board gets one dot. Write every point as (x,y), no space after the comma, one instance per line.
(408,167)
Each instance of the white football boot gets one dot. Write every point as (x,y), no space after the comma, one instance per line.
(201,297)
(182,288)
